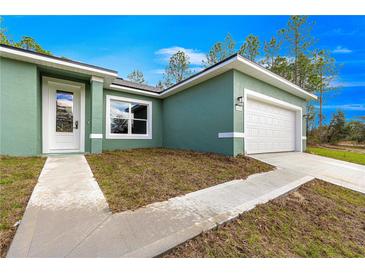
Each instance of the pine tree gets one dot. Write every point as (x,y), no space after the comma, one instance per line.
(136,76)
(177,69)
(4,39)
(220,51)
(323,73)
(160,85)
(271,50)
(250,48)
(297,34)
(29,43)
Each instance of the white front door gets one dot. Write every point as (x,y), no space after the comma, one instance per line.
(63,125)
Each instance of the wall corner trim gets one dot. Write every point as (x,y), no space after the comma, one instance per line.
(96,79)
(96,136)
(231,135)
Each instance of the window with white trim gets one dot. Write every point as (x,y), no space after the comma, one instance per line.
(128,118)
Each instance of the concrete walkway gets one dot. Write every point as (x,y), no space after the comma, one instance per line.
(152,230)
(65,206)
(338,172)
(67,215)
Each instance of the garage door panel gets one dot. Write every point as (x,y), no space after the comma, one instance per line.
(269,128)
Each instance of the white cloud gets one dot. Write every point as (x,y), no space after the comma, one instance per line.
(358,107)
(340,49)
(64,103)
(118,113)
(342,32)
(158,71)
(341,84)
(196,56)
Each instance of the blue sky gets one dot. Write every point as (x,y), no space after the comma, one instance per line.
(125,43)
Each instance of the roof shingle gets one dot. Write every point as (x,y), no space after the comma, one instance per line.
(124,83)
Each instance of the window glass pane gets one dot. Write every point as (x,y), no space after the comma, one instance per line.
(138,111)
(119,114)
(119,126)
(139,127)
(64,111)
(119,109)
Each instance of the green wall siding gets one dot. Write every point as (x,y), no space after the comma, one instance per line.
(20,103)
(190,119)
(194,117)
(97,94)
(238,116)
(242,81)
(156,141)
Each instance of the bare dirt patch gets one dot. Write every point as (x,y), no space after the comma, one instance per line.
(134,178)
(345,147)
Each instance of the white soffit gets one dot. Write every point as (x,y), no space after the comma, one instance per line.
(55,62)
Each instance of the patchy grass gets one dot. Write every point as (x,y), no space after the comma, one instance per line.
(349,156)
(317,220)
(18,176)
(134,178)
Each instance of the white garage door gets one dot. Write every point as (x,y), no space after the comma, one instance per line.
(269,128)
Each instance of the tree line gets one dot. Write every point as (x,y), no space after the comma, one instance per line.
(291,53)
(339,129)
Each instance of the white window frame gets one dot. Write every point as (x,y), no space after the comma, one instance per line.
(109,135)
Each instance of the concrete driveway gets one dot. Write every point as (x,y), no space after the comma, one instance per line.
(338,172)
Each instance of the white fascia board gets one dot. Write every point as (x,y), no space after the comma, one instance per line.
(133,90)
(52,62)
(256,71)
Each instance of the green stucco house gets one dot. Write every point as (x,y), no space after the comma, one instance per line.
(54,105)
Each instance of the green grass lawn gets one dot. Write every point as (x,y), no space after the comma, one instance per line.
(134,178)
(18,176)
(317,220)
(349,156)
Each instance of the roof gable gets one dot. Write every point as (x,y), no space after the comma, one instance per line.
(234,62)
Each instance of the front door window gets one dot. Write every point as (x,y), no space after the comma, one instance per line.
(64,111)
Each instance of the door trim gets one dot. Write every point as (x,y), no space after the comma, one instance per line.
(276,102)
(45,117)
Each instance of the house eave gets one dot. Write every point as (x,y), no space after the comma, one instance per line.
(234,62)
(265,75)
(133,90)
(247,67)
(59,63)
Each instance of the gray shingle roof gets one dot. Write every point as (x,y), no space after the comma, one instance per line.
(130,84)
